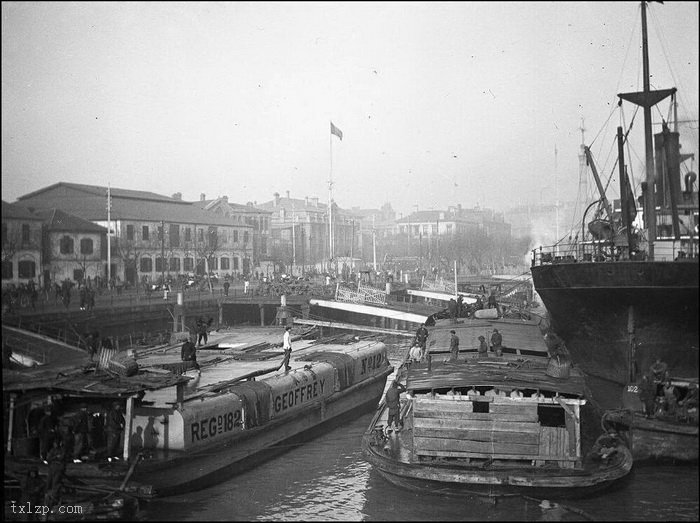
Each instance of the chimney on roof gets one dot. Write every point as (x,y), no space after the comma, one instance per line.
(277,199)
(202,197)
(306,199)
(177,196)
(314,200)
(287,195)
(225,198)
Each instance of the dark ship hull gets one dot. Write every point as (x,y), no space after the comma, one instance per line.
(618,316)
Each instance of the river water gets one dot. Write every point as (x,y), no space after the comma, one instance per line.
(326,479)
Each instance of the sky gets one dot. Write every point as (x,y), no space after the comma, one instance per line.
(440,104)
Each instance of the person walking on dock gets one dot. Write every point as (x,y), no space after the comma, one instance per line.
(496,343)
(454,346)
(287,346)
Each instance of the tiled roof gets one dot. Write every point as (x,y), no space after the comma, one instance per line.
(58,220)
(17,212)
(101,191)
(90,203)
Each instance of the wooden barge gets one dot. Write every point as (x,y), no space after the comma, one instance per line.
(497,442)
(236,411)
(662,436)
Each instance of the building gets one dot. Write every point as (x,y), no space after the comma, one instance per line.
(300,231)
(258,219)
(21,245)
(73,248)
(153,236)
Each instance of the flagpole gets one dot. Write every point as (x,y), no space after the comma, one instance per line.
(330,200)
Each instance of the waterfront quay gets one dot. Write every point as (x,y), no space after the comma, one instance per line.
(132,318)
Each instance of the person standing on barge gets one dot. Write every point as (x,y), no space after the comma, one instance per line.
(287,346)
(496,342)
(454,346)
(393,403)
(115,426)
(483,348)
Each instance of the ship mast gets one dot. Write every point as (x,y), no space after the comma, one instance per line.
(647,99)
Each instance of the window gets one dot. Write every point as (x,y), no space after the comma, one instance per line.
(4,235)
(78,274)
(146,264)
(160,233)
(129,232)
(212,237)
(235,264)
(174,235)
(25,234)
(201,235)
(86,246)
(188,234)
(189,264)
(175,264)
(223,237)
(66,245)
(225,264)
(144,233)
(245,236)
(7,270)
(213,263)
(235,236)
(160,267)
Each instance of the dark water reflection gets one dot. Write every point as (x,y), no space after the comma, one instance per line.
(326,479)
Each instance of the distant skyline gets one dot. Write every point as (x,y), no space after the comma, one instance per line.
(439,104)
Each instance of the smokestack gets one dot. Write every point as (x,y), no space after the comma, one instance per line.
(277,199)
(202,197)
(287,195)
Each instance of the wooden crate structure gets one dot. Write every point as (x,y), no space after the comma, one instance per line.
(451,427)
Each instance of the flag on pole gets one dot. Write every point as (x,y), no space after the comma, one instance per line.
(336,131)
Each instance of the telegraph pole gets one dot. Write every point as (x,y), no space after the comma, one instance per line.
(162,252)
(109,239)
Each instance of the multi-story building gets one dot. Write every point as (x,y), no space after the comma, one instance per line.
(73,248)
(300,231)
(258,219)
(21,245)
(152,235)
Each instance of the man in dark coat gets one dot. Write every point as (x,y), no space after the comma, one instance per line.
(114,428)
(496,342)
(454,346)
(393,403)
(46,432)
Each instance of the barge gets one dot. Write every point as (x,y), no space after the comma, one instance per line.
(493,425)
(188,426)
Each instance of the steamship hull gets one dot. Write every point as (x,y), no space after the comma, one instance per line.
(616,314)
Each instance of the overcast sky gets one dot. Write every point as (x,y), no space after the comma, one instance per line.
(439,103)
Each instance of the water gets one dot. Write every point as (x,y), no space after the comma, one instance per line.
(327,479)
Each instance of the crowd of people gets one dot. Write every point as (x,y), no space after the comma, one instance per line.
(662,399)
(72,436)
